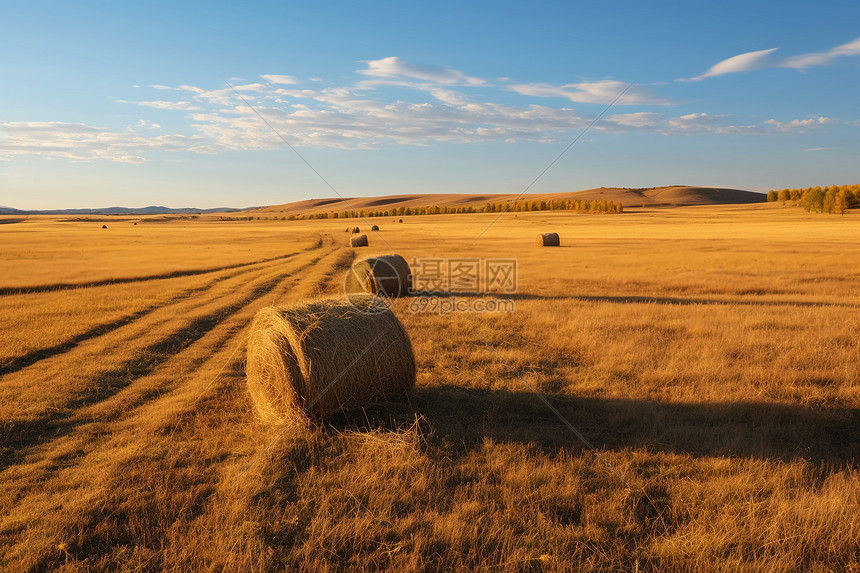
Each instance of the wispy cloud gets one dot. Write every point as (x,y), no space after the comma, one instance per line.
(765,59)
(393,68)
(280,79)
(740,63)
(702,123)
(604,92)
(442,107)
(161,104)
(639,120)
(82,142)
(805,61)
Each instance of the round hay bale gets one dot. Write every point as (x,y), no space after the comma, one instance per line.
(401,220)
(374,228)
(348,229)
(356,230)
(548,240)
(385,275)
(326,356)
(358,241)
(104,226)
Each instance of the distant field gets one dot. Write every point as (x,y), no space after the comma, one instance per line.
(711,355)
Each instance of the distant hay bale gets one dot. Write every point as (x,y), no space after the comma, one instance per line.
(374,228)
(356,230)
(104,226)
(548,240)
(401,220)
(385,275)
(348,229)
(358,241)
(326,356)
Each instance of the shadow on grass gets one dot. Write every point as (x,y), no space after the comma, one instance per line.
(457,420)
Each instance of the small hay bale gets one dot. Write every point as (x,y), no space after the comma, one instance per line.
(356,230)
(548,240)
(348,229)
(401,220)
(374,228)
(385,275)
(326,356)
(358,241)
(104,226)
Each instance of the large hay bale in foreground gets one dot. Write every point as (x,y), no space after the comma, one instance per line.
(548,240)
(385,275)
(358,241)
(326,356)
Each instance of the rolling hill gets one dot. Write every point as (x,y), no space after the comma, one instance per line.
(674,196)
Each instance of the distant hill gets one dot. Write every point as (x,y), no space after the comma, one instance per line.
(675,196)
(151,210)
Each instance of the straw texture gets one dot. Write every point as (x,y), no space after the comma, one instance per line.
(326,356)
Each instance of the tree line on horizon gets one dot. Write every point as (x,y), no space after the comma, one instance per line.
(598,206)
(835,200)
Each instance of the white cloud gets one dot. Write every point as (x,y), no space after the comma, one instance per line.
(440,108)
(740,63)
(805,61)
(762,59)
(852,48)
(280,79)
(693,120)
(604,91)
(82,142)
(701,123)
(169,105)
(393,68)
(640,119)
(799,125)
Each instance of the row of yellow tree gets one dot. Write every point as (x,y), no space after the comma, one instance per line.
(836,199)
(578,205)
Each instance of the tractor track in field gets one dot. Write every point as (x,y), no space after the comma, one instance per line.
(180,392)
(21,436)
(15,364)
(31,358)
(7,291)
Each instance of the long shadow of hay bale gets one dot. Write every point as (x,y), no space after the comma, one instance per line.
(466,417)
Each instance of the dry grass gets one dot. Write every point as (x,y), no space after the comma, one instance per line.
(710,354)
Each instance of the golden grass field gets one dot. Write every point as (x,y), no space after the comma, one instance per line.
(711,355)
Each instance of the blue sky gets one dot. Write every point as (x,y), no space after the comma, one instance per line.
(114,103)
